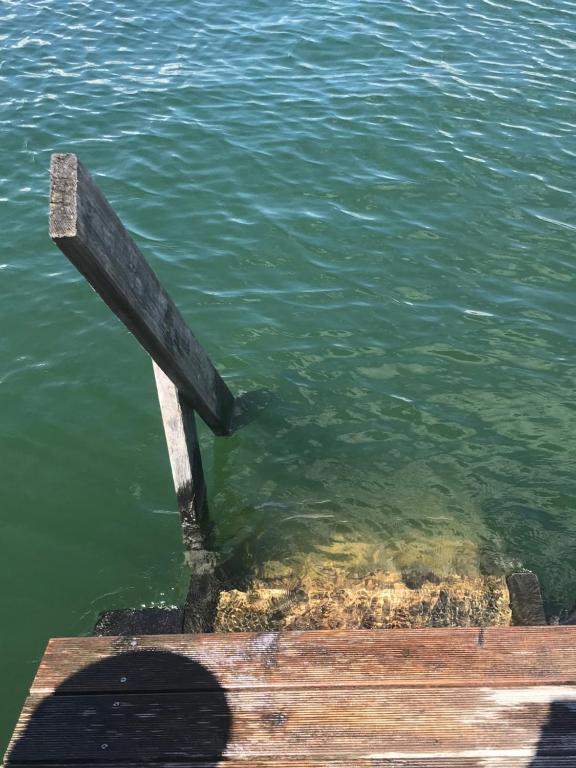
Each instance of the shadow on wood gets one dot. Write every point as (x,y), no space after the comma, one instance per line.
(427,698)
(137,707)
(556,744)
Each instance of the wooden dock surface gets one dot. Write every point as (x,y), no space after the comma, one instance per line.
(427,698)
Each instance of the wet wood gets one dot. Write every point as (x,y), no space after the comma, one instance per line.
(496,656)
(445,698)
(90,234)
(526,599)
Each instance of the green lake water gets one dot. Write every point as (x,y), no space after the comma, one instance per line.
(367,207)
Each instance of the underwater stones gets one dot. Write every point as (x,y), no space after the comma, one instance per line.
(414,578)
(335,600)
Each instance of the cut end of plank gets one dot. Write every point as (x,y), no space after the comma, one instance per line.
(526,599)
(63,196)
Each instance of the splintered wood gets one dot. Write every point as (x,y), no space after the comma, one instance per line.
(429,698)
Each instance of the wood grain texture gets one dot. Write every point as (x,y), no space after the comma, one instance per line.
(185,460)
(191,494)
(375,723)
(526,599)
(496,657)
(330,761)
(87,230)
(431,698)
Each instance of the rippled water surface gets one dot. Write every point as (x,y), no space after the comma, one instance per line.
(364,206)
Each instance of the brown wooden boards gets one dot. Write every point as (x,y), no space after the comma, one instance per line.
(453,698)
(349,762)
(86,229)
(376,723)
(495,656)
(330,761)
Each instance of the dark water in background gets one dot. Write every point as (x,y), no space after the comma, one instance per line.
(365,206)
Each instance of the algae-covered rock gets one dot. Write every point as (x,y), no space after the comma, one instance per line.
(337,600)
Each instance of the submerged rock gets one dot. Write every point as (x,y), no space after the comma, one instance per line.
(336,600)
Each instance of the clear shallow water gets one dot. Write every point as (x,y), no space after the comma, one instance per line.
(367,207)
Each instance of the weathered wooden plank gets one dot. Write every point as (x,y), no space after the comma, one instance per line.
(377,723)
(203,592)
(348,762)
(190,486)
(90,234)
(496,656)
(143,727)
(526,599)
(185,460)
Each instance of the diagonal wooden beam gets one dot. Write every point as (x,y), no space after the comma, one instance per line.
(87,230)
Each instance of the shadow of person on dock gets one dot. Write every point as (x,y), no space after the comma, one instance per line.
(557,743)
(137,706)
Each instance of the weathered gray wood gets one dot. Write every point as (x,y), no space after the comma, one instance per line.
(190,486)
(526,599)
(86,229)
(185,460)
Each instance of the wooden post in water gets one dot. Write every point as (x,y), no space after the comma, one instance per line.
(185,460)
(86,229)
(190,486)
